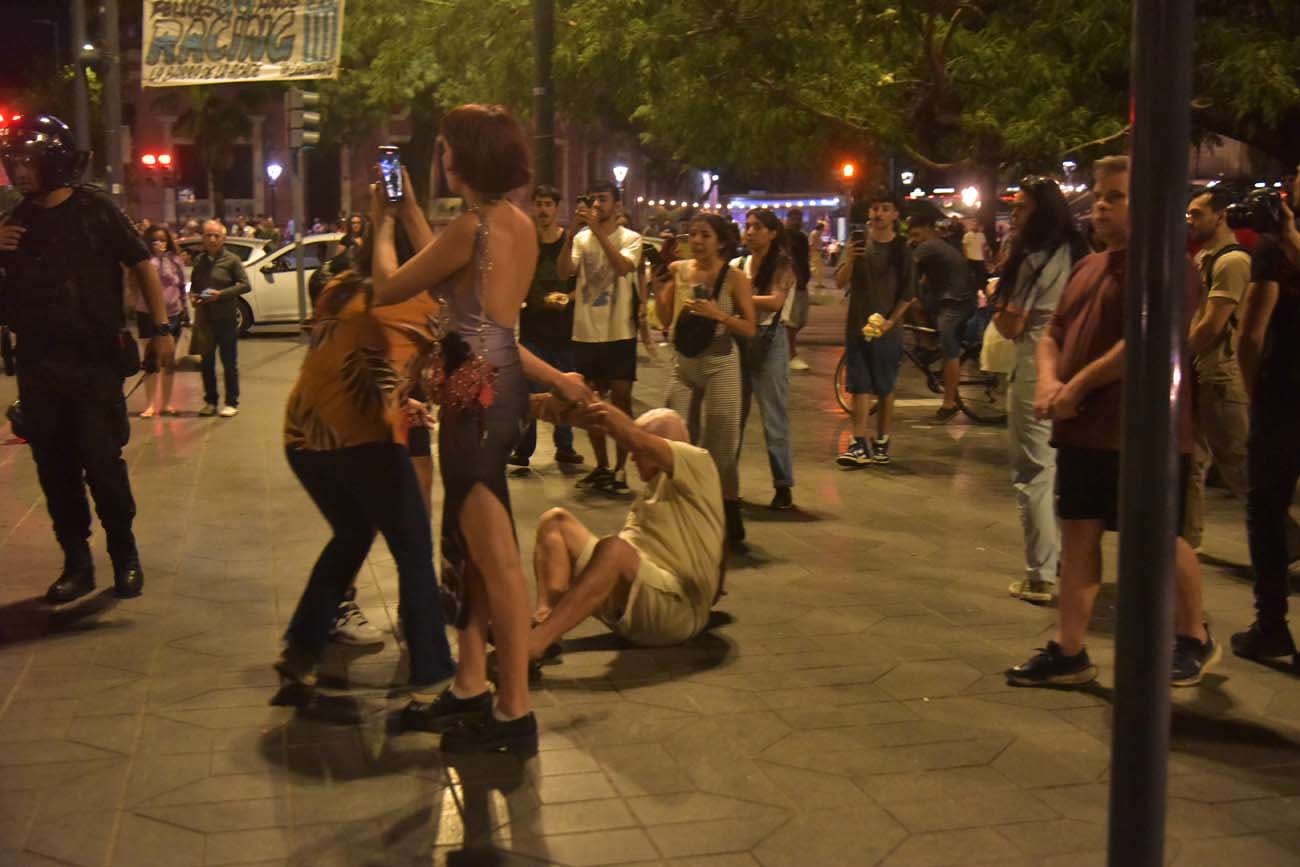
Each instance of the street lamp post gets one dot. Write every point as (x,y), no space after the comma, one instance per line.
(273,172)
(620,175)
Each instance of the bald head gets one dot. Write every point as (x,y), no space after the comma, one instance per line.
(663,422)
(214,237)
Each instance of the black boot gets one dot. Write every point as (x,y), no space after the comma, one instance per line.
(735,525)
(76,580)
(128,578)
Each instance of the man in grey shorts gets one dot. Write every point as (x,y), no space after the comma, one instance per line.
(655,581)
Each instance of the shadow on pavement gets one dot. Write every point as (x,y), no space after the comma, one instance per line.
(33,619)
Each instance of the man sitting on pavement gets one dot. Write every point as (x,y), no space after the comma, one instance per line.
(655,581)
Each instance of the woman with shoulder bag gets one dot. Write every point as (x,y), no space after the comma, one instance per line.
(1036,271)
(708,304)
(765,358)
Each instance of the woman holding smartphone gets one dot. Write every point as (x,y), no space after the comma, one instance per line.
(706,389)
(482,266)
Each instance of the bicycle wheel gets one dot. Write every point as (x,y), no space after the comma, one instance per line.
(841,387)
(982,396)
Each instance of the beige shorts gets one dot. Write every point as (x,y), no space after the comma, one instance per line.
(658,613)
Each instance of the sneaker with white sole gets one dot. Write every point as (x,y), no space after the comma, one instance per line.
(798,364)
(1033,590)
(352,628)
(229,411)
(856,455)
(209,409)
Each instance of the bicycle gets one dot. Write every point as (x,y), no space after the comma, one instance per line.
(981,396)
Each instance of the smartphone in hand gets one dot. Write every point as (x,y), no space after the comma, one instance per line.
(390,169)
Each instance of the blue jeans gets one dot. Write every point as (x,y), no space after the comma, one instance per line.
(362,490)
(561,360)
(771,386)
(225,334)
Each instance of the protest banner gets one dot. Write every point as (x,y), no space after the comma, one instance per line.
(218,41)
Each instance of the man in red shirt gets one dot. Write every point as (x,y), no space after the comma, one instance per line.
(1080,365)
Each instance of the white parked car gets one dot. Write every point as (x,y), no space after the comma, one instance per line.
(272,274)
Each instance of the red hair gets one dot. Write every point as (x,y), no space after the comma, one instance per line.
(489,149)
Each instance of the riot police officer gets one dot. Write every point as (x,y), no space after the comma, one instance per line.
(62,253)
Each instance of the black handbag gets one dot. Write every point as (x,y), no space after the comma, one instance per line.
(754,350)
(693,334)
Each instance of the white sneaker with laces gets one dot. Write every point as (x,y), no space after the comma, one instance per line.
(351,627)
(229,411)
(208,410)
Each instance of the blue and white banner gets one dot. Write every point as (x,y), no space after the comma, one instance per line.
(215,41)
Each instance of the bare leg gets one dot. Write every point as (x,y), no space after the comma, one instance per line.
(488,535)
(951,379)
(620,394)
(471,642)
(1189,616)
(611,570)
(598,447)
(884,415)
(861,412)
(168,377)
(1080,581)
(148,387)
(560,540)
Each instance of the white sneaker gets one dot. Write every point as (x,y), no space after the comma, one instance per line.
(799,364)
(208,410)
(229,412)
(352,627)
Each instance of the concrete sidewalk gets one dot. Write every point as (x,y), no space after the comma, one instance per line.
(850,712)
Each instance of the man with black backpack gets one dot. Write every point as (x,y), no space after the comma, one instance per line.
(879,275)
(1219,407)
(62,254)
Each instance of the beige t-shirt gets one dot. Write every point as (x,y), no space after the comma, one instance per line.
(677,522)
(605,303)
(1230,279)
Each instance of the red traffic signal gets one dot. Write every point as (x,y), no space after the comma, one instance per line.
(848,171)
(149,160)
(165,160)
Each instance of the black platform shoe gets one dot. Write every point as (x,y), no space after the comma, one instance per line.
(128,579)
(446,712)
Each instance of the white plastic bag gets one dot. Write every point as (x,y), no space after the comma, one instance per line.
(998,354)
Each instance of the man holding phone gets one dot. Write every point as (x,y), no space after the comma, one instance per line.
(879,276)
(604,256)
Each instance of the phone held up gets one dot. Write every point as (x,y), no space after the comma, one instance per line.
(390,170)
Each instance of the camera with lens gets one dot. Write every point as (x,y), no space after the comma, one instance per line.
(1260,211)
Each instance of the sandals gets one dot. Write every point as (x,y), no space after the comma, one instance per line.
(148,412)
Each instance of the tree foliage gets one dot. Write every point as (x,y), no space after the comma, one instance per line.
(749,85)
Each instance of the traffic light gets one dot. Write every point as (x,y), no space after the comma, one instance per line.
(304,121)
(159,167)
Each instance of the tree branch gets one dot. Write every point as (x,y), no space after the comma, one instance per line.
(774,89)
(1097,142)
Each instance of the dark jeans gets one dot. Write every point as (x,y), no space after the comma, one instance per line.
(363,490)
(225,333)
(1272,470)
(76,423)
(561,360)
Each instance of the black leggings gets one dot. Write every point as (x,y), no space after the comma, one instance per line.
(362,490)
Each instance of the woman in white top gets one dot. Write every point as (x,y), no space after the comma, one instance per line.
(765,360)
(705,389)
(1037,269)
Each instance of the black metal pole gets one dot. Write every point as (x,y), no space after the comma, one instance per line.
(544,92)
(1153,368)
(80,87)
(110,41)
